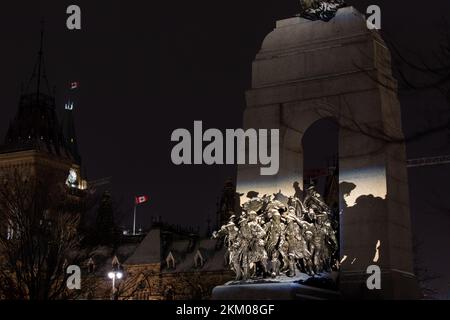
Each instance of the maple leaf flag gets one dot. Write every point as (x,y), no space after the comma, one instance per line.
(141,199)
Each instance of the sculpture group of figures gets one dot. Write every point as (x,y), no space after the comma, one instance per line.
(320,9)
(277,234)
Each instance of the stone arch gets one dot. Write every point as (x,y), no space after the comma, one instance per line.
(307,70)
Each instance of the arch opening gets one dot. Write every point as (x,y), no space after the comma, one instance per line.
(320,160)
(320,144)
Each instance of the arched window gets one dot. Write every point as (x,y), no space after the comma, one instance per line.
(169,293)
(170,261)
(142,285)
(199,261)
(91,265)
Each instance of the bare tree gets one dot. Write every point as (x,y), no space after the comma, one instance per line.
(136,283)
(38,237)
(193,285)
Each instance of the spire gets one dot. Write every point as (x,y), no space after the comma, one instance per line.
(36,125)
(39,74)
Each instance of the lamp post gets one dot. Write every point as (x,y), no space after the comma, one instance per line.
(113,275)
(116,273)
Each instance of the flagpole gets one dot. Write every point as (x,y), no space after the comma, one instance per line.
(134,220)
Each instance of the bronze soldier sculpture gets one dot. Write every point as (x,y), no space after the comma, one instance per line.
(281,237)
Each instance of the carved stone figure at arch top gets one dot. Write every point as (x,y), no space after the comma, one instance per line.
(320,9)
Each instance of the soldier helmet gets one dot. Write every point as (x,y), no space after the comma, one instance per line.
(275,213)
(322,217)
(243,219)
(230,224)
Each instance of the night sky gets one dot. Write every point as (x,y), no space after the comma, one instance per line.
(148,67)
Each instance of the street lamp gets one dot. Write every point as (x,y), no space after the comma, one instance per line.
(114,274)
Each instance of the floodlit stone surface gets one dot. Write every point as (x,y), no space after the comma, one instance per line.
(310,70)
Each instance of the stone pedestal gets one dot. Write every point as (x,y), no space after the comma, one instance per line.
(310,70)
(272,291)
(283,288)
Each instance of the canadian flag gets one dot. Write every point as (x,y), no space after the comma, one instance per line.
(141,199)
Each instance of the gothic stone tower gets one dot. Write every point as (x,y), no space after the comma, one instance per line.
(35,143)
(309,70)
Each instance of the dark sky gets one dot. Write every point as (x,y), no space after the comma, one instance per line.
(149,67)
